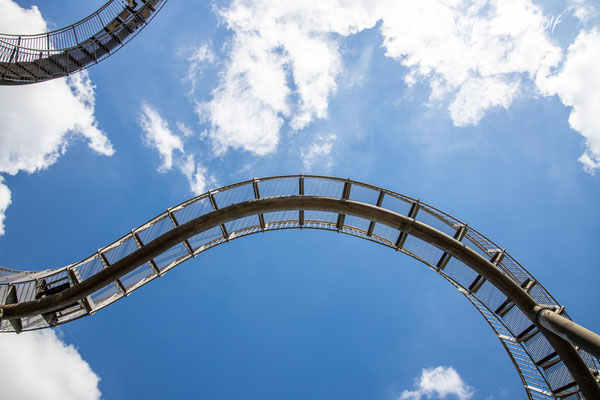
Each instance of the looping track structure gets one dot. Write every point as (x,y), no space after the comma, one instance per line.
(520,311)
(36,58)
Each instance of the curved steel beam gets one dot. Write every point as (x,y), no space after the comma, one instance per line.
(28,59)
(236,211)
(544,317)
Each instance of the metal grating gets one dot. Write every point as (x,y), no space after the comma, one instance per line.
(193,210)
(539,382)
(323,187)
(234,195)
(364,194)
(155,229)
(36,58)
(279,187)
(205,238)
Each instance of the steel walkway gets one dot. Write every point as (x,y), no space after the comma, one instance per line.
(518,308)
(36,58)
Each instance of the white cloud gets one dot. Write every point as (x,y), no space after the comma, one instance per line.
(17,20)
(158,136)
(578,86)
(201,56)
(184,129)
(171,149)
(441,382)
(477,95)
(583,10)
(197,175)
(38,121)
(4,203)
(318,153)
(83,114)
(279,50)
(245,110)
(284,60)
(475,55)
(38,365)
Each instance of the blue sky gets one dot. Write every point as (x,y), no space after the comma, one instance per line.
(486,110)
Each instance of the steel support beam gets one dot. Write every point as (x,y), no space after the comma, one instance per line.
(125,21)
(559,333)
(345,195)
(261,217)
(569,330)
(140,244)
(412,214)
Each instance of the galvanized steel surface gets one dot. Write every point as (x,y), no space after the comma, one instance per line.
(352,209)
(35,58)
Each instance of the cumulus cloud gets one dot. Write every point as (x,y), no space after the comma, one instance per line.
(14,19)
(441,382)
(197,175)
(583,10)
(284,60)
(578,86)
(37,122)
(38,365)
(200,57)
(477,95)
(318,153)
(4,203)
(280,50)
(475,54)
(158,136)
(184,129)
(245,110)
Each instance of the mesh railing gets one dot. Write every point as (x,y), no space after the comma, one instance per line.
(39,57)
(544,375)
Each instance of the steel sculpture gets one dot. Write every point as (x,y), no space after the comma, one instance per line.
(555,358)
(36,58)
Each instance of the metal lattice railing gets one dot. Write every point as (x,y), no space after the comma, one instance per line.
(542,372)
(35,58)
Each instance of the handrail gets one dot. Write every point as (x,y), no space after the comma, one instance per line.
(39,57)
(80,22)
(528,320)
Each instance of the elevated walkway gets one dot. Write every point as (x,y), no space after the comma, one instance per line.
(28,59)
(554,357)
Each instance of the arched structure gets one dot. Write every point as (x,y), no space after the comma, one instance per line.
(520,311)
(36,58)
